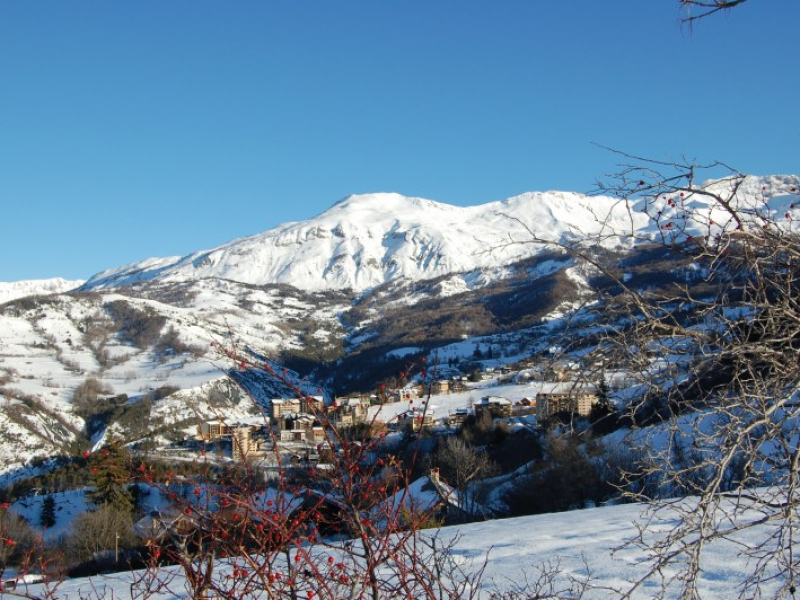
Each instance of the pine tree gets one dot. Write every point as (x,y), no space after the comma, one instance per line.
(110,478)
(603,416)
(48,516)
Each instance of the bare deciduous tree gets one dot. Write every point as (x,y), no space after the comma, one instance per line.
(462,465)
(699,9)
(712,359)
(100,531)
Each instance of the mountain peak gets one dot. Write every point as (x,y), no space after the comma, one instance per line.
(386,201)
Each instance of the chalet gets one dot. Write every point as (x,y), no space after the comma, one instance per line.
(458,385)
(293,435)
(431,498)
(441,386)
(211,430)
(415,420)
(281,407)
(345,420)
(523,377)
(318,433)
(562,370)
(458,417)
(411,392)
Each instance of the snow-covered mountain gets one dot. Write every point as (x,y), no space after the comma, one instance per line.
(367,240)
(34,287)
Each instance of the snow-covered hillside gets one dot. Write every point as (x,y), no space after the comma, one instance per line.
(49,346)
(34,287)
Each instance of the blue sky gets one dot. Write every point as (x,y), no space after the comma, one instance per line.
(152,128)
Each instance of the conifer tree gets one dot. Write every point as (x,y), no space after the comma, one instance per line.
(603,416)
(48,516)
(110,478)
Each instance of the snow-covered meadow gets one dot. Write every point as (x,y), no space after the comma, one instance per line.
(584,550)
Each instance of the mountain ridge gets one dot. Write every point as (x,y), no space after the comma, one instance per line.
(366,240)
(29,287)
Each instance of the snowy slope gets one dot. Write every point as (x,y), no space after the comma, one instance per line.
(34,287)
(577,544)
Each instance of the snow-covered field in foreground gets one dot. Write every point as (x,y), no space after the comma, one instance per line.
(580,544)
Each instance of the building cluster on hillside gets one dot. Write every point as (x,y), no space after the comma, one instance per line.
(245,439)
(299,420)
(291,420)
